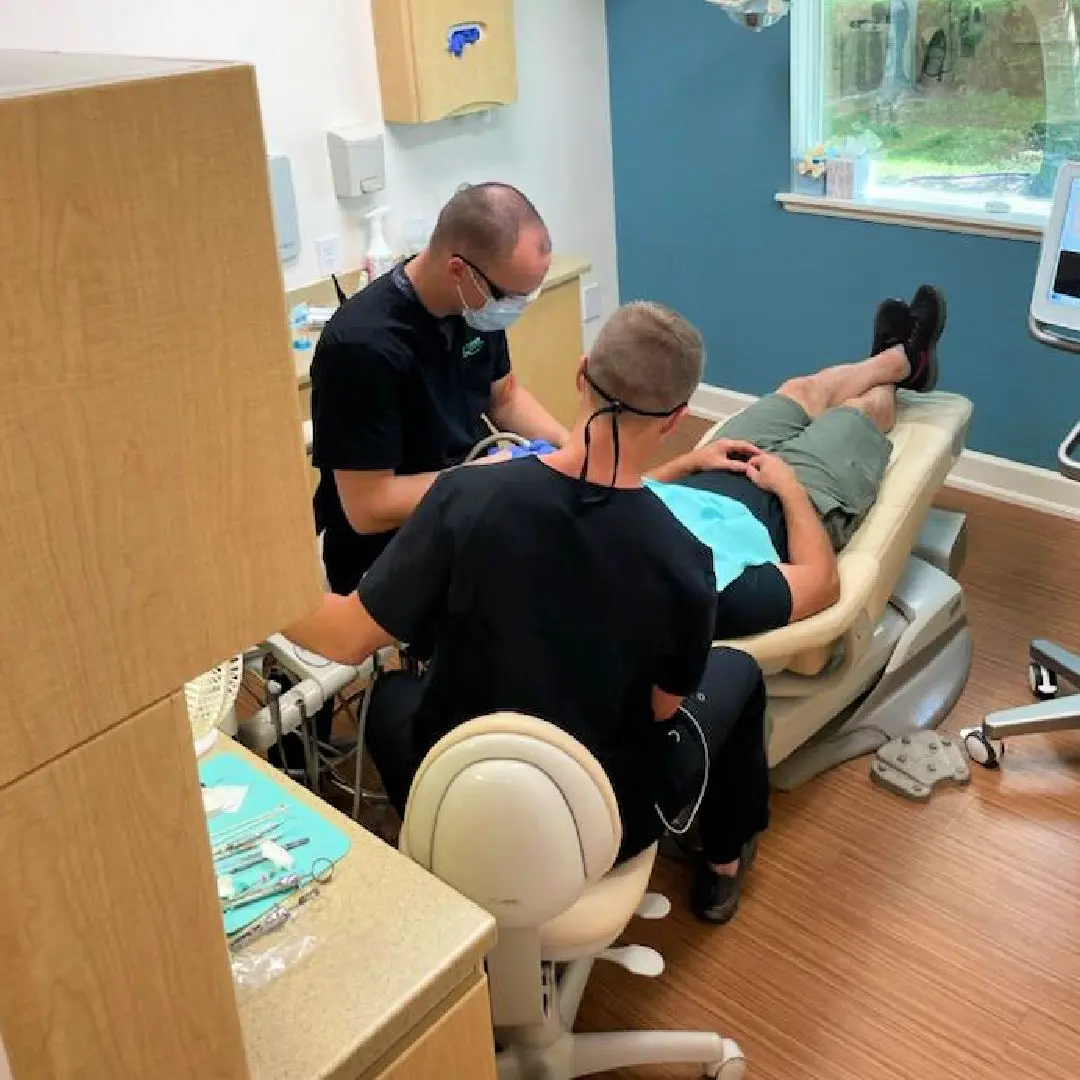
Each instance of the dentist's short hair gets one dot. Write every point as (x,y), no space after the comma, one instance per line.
(484,221)
(648,356)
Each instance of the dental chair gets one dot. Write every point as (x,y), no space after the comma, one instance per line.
(892,655)
(518,816)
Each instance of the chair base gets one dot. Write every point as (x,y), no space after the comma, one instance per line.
(1054,714)
(1058,714)
(909,679)
(1049,665)
(589,1054)
(552,1050)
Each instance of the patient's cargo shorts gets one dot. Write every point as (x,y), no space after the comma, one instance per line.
(840,458)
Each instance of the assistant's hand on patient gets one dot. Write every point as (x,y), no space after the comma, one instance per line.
(727,454)
(731,455)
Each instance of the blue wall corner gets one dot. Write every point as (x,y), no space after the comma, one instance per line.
(700,129)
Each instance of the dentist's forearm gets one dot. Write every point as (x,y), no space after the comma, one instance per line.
(379,502)
(519,412)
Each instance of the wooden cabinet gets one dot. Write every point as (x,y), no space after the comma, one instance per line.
(155,521)
(151,468)
(440,58)
(114,963)
(457,1046)
(546,346)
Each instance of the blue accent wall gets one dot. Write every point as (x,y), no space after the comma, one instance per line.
(700,127)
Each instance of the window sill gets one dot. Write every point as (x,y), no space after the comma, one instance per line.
(915,217)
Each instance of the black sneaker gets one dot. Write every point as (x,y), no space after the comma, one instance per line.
(714,898)
(892,325)
(928,322)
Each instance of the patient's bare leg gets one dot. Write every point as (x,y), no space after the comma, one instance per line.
(847,382)
(879,404)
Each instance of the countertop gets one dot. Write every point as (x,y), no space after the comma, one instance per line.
(391,943)
(564,268)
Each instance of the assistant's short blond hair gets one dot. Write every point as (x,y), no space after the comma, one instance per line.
(648,357)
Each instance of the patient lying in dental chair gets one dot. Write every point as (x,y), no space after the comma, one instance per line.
(798,471)
(785,484)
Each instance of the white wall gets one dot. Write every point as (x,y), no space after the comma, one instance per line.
(315,61)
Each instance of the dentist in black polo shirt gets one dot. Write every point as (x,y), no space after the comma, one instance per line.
(405,369)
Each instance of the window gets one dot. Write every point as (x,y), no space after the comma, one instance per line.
(972,104)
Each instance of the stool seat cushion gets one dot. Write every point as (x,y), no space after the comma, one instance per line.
(601,914)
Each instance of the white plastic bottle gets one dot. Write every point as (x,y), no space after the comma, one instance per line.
(416,234)
(380,256)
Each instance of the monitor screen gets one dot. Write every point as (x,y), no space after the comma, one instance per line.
(1065,287)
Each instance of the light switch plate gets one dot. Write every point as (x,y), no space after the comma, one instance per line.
(591,302)
(328,254)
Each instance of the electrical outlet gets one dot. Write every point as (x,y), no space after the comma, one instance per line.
(328,254)
(591,302)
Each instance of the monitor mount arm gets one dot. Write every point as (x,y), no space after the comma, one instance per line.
(1068,454)
(1068,459)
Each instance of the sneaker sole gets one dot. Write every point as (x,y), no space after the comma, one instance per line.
(932,374)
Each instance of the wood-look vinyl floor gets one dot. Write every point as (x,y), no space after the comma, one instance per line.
(883,939)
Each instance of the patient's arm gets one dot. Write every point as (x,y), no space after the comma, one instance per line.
(811,571)
(341,630)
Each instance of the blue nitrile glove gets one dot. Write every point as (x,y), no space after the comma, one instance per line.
(537,446)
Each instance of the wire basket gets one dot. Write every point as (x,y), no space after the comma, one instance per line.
(211,700)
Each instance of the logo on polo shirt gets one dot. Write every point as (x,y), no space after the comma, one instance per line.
(471,347)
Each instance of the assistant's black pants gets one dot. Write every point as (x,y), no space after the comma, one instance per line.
(729,707)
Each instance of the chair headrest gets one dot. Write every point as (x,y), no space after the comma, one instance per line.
(515,814)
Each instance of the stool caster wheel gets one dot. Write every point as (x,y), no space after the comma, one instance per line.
(733,1066)
(980,749)
(1043,682)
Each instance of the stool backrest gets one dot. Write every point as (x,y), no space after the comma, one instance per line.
(516,815)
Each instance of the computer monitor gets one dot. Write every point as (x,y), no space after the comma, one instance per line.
(1055,303)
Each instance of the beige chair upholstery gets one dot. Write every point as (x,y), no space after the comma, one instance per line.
(518,816)
(927,441)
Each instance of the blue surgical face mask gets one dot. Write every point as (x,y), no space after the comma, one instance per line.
(496,315)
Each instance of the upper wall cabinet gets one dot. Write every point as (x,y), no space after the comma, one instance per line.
(154,502)
(440,58)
